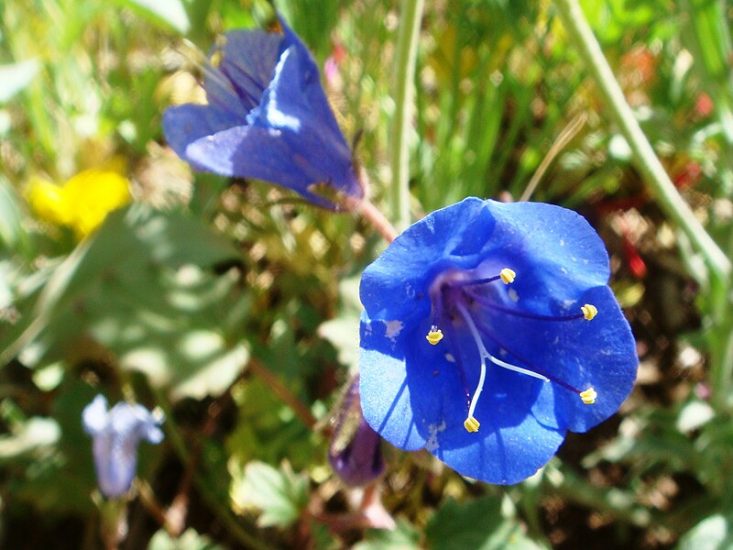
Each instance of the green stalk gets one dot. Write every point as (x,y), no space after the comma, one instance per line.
(409,30)
(645,159)
(711,44)
(234,526)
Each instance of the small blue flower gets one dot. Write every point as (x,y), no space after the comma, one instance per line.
(489,333)
(267,118)
(355,451)
(116,434)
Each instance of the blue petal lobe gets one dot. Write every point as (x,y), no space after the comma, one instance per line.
(555,252)
(295,102)
(600,353)
(295,93)
(385,396)
(185,124)
(246,63)
(415,394)
(410,386)
(395,285)
(278,156)
(267,118)
(503,452)
(94,416)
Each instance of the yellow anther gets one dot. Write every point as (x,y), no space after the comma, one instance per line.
(507,275)
(588,396)
(589,311)
(434,336)
(471,424)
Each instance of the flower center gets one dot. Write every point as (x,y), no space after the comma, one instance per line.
(452,295)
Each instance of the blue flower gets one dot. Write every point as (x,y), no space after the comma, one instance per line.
(489,333)
(355,451)
(116,434)
(267,117)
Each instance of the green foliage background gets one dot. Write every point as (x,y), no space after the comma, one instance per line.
(234,307)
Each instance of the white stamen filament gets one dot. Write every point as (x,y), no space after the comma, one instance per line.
(515,368)
(484,354)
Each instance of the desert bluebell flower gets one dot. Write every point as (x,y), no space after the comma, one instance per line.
(354,453)
(490,332)
(267,117)
(116,433)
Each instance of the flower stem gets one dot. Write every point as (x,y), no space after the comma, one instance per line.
(409,31)
(234,526)
(367,210)
(113,522)
(297,406)
(563,138)
(646,161)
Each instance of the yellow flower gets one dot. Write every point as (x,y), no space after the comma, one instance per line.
(90,195)
(45,199)
(82,202)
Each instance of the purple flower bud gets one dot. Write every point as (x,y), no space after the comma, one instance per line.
(355,454)
(116,434)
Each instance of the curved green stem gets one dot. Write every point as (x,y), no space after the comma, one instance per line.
(409,31)
(234,526)
(645,159)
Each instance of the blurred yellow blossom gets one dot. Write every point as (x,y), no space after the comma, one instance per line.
(82,202)
(45,199)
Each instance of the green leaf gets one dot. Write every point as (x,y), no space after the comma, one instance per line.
(267,429)
(143,288)
(694,415)
(12,234)
(280,495)
(55,471)
(404,537)
(189,540)
(343,331)
(477,524)
(37,433)
(713,533)
(170,12)
(15,77)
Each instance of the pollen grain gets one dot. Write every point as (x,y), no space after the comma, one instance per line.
(471,424)
(589,311)
(434,336)
(588,396)
(507,275)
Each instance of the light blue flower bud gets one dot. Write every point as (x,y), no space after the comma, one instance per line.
(116,434)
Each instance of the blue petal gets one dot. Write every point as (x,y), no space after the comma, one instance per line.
(95,417)
(413,392)
(295,93)
(115,461)
(267,118)
(512,443)
(116,435)
(295,103)
(385,395)
(395,285)
(544,244)
(600,353)
(279,156)
(186,124)
(554,251)
(415,395)
(246,64)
